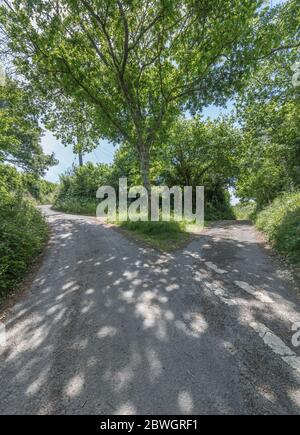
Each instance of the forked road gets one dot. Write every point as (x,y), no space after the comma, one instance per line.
(111,327)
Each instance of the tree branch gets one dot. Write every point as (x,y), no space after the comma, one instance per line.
(283,47)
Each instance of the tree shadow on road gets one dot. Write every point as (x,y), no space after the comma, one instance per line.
(110,327)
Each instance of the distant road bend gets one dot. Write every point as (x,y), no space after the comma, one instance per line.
(111,327)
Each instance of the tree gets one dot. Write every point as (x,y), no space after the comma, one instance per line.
(138,64)
(269,116)
(71,125)
(196,150)
(200,153)
(20,134)
(125,164)
(269,155)
(83,182)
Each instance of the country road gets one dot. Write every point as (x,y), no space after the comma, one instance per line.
(111,327)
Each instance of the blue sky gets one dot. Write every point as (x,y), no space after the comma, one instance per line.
(102,154)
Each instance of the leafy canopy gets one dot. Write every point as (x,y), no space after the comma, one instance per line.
(137,64)
(269,114)
(20,134)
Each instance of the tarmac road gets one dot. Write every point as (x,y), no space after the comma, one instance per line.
(111,327)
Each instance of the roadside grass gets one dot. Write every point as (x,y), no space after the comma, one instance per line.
(23,234)
(165,236)
(76,205)
(244,212)
(162,235)
(46,199)
(280,221)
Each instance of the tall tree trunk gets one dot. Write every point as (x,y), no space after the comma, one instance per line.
(145,169)
(80,157)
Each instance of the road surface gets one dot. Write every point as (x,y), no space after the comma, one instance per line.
(111,327)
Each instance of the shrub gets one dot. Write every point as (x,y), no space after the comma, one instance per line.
(84,181)
(23,232)
(78,187)
(42,191)
(221,212)
(10,179)
(28,184)
(280,221)
(244,211)
(76,205)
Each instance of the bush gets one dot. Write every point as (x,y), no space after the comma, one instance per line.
(221,212)
(10,179)
(78,187)
(216,202)
(23,232)
(244,211)
(42,191)
(280,221)
(76,205)
(84,181)
(28,184)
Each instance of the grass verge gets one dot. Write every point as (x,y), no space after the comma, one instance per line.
(165,236)
(84,206)
(244,212)
(280,221)
(23,234)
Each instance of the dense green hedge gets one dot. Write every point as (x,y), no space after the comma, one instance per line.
(280,221)
(245,211)
(27,184)
(76,205)
(77,192)
(42,191)
(77,189)
(23,233)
